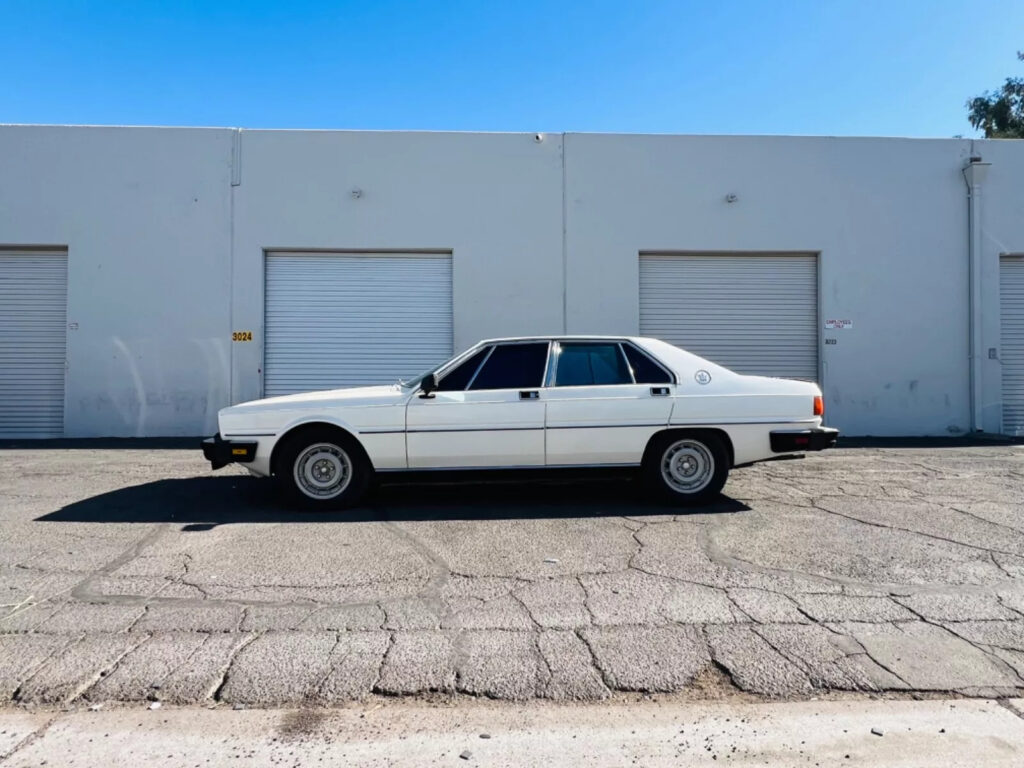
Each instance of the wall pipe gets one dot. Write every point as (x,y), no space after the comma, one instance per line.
(974,175)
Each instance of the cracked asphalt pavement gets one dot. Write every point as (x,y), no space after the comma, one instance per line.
(137,574)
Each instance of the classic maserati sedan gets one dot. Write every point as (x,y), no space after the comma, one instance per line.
(530,403)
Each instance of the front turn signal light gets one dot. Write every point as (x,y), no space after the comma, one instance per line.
(819,405)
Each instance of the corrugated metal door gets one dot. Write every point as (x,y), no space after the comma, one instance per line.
(344,319)
(755,314)
(33,343)
(1011,298)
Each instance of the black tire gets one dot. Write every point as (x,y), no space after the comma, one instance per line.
(697,458)
(324,457)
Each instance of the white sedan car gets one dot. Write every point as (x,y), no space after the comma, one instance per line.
(530,403)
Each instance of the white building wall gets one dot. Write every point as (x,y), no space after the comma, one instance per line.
(887,216)
(145,216)
(166,256)
(493,200)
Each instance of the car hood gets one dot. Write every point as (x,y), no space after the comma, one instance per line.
(379,395)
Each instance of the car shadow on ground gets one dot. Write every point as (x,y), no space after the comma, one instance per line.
(200,503)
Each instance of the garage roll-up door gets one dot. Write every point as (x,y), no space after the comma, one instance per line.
(33,341)
(755,314)
(1011,298)
(345,319)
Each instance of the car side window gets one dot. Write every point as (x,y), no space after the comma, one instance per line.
(588,364)
(513,366)
(459,377)
(645,370)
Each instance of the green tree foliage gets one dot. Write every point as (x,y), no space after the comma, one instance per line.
(1000,114)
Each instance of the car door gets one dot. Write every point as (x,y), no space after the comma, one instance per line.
(487,412)
(604,401)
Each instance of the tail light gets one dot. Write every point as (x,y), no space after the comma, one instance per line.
(819,405)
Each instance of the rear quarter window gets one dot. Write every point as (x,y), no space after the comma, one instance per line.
(645,370)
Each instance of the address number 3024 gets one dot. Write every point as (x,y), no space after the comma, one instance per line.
(241,336)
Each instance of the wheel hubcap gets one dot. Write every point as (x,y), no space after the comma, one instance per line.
(687,466)
(323,471)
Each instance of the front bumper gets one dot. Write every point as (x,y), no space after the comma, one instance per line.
(220,452)
(792,440)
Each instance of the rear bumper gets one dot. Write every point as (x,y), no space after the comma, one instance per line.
(220,452)
(792,440)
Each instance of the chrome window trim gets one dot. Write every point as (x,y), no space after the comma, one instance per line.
(547,365)
(549,373)
(625,357)
(469,384)
(451,369)
(446,367)
(554,346)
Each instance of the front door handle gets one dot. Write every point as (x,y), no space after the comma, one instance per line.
(528,394)
(659,391)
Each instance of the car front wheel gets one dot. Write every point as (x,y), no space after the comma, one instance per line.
(686,469)
(323,469)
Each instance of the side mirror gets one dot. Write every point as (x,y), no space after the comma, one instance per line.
(428,385)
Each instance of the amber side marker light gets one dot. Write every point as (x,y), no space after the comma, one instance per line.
(819,405)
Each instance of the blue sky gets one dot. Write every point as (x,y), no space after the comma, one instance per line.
(902,67)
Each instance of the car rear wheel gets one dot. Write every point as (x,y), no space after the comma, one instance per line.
(323,469)
(687,469)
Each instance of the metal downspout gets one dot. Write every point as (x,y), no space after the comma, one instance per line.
(974,174)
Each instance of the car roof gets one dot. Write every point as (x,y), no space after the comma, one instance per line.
(563,337)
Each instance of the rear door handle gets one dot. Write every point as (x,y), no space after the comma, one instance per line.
(528,394)
(659,391)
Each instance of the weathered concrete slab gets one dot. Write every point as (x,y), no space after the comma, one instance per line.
(410,613)
(627,597)
(263,618)
(555,603)
(75,618)
(355,666)
(169,617)
(22,655)
(72,672)
(647,659)
(1001,634)
(697,604)
(202,674)
(344,618)
(504,612)
(829,659)
(767,607)
(140,674)
(847,608)
(571,666)
(27,618)
(939,607)
(930,658)
(754,665)
(500,664)
(418,661)
(279,668)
